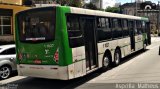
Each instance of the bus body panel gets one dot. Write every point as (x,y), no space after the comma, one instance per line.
(43,71)
(79,62)
(77,69)
(138,42)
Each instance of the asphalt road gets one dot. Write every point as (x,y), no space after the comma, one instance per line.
(141,67)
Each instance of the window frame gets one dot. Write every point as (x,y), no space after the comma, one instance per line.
(2,25)
(5,51)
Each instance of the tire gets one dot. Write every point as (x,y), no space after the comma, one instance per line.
(117,57)
(106,62)
(144,46)
(5,72)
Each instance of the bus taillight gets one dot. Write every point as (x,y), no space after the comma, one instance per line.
(20,56)
(37,61)
(56,56)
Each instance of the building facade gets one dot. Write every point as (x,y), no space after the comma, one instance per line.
(15,2)
(7,19)
(97,3)
(143,9)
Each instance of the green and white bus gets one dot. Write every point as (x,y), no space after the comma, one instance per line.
(61,42)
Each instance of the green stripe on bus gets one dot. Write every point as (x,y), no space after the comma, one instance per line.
(65,55)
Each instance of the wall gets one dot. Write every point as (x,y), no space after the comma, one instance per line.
(17,2)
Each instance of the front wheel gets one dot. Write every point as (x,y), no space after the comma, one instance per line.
(144,47)
(117,57)
(5,72)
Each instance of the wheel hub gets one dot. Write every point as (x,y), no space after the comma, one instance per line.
(4,72)
(106,61)
(117,58)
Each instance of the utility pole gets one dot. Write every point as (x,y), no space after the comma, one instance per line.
(136,8)
(101,4)
(158,19)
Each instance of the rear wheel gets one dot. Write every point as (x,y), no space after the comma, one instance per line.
(106,62)
(144,46)
(117,57)
(5,72)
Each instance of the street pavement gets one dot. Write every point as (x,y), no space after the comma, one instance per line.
(140,68)
(134,70)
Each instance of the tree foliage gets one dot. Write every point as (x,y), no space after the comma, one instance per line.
(90,6)
(113,9)
(74,3)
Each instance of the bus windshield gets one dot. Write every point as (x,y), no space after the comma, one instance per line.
(37,25)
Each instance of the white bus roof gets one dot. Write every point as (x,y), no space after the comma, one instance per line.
(105,14)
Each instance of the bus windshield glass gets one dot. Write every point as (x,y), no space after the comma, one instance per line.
(37,25)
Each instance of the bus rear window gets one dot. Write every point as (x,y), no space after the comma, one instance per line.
(37,25)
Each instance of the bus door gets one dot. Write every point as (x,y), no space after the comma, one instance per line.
(90,42)
(132,34)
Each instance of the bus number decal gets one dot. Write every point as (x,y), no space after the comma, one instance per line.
(138,38)
(105,45)
(49,46)
(46,51)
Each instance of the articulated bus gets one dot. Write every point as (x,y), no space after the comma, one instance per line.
(7,17)
(61,42)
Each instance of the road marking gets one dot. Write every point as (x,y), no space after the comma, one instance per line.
(154,47)
(12,79)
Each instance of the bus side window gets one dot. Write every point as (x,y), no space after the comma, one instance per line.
(131,26)
(74,31)
(104,32)
(120,33)
(98,22)
(135,28)
(73,27)
(139,27)
(108,28)
(103,23)
(117,28)
(108,23)
(114,27)
(143,26)
(125,28)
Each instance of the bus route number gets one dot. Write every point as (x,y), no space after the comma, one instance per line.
(105,45)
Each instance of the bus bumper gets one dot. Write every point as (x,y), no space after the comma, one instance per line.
(43,71)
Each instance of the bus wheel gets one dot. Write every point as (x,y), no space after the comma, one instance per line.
(144,46)
(117,57)
(106,62)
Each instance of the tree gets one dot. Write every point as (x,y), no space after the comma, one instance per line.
(113,9)
(74,3)
(63,2)
(28,3)
(90,6)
